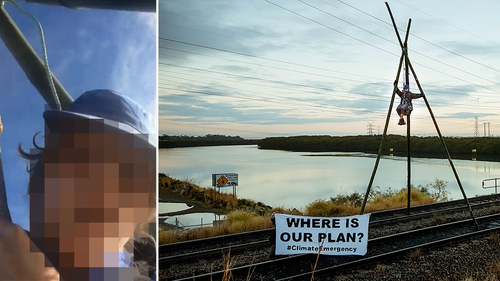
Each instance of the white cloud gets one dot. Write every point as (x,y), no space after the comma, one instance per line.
(134,72)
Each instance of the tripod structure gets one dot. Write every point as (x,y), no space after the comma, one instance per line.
(408,66)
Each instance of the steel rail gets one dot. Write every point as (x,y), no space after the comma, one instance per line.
(372,242)
(333,270)
(265,243)
(491,198)
(210,253)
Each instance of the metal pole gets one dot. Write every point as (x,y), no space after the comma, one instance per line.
(30,62)
(444,145)
(383,136)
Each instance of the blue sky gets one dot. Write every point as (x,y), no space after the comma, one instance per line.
(254,69)
(87,49)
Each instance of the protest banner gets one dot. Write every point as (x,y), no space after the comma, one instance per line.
(336,236)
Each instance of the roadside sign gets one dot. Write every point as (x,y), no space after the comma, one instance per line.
(224,180)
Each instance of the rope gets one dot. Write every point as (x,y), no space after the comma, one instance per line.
(44,50)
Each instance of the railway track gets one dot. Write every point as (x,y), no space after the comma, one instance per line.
(257,242)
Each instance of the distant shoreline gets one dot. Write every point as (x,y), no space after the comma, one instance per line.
(481,148)
(487,149)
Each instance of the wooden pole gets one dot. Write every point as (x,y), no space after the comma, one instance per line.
(408,161)
(403,56)
(432,115)
(30,62)
(444,145)
(383,136)
(408,164)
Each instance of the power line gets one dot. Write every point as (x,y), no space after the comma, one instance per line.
(270,35)
(299,91)
(426,41)
(377,113)
(279,68)
(263,58)
(296,84)
(301,103)
(343,33)
(450,24)
(201,46)
(372,33)
(477,76)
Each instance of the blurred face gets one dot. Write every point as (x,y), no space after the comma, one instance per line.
(96,189)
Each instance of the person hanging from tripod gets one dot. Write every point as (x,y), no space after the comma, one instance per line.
(405,107)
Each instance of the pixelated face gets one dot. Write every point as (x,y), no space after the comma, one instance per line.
(96,189)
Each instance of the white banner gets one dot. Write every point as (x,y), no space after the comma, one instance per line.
(336,236)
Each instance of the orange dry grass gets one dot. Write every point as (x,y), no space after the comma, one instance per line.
(241,221)
(399,200)
(324,208)
(237,221)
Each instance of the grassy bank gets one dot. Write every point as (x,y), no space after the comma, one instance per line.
(246,215)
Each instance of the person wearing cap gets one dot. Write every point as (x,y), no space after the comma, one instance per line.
(92,195)
(406,106)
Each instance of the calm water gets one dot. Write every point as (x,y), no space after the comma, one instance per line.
(294,179)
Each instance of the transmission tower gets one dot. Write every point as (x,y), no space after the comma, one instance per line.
(370,128)
(476,127)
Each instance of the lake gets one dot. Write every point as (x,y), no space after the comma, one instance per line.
(295,179)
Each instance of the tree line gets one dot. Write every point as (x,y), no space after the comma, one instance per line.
(420,146)
(168,141)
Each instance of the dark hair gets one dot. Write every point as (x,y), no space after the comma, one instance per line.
(144,248)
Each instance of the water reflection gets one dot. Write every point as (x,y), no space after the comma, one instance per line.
(194,220)
(293,179)
(172,207)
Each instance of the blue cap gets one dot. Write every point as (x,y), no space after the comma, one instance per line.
(406,87)
(119,113)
